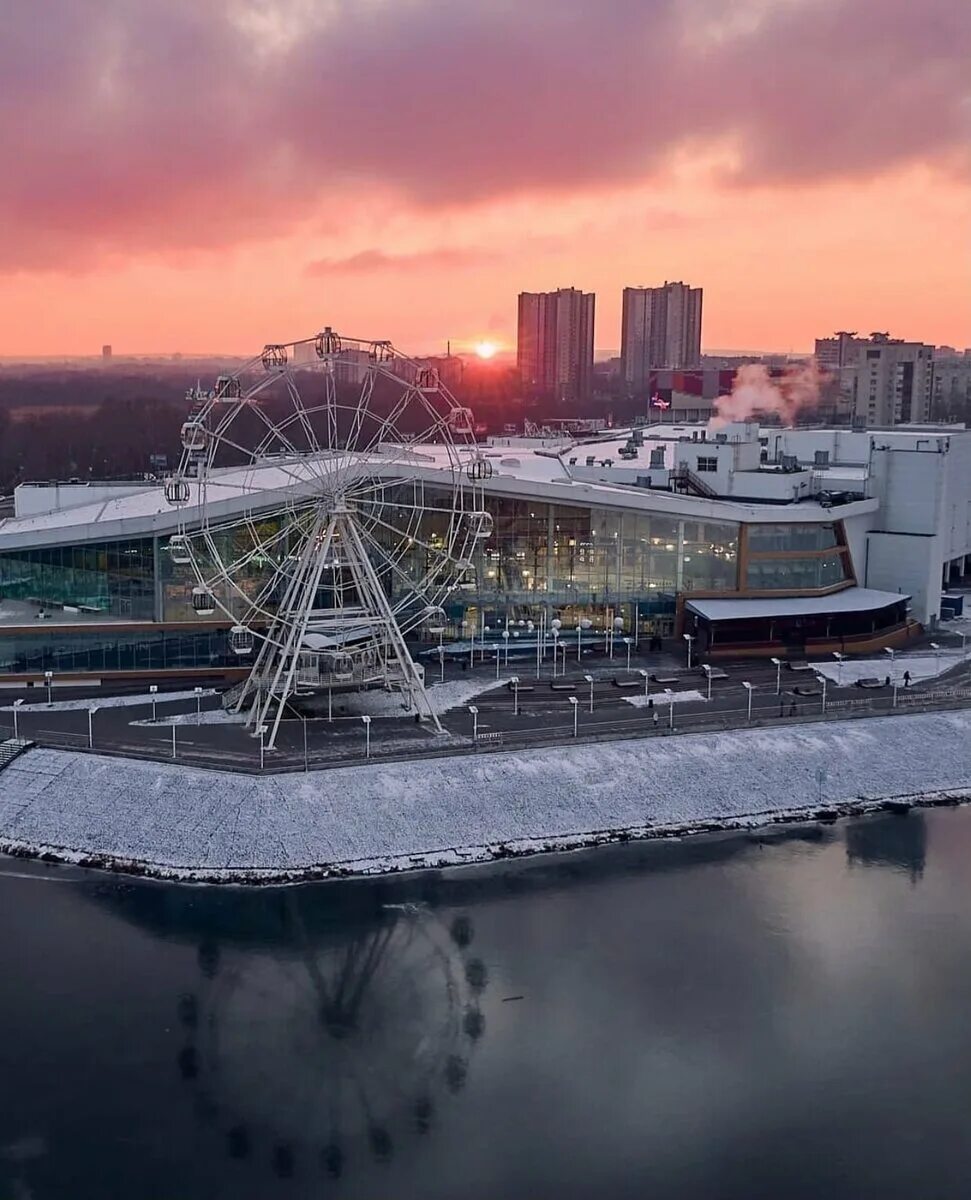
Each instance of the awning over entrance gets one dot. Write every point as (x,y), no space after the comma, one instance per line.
(850,600)
(846,620)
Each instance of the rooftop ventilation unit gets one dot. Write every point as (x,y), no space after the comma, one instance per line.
(657,456)
(790,463)
(821,458)
(721,438)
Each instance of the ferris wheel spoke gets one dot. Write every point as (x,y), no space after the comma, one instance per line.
(273,432)
(394,565)
(401,536)
(297,402)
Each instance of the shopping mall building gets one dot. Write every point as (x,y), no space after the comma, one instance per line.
(755,542)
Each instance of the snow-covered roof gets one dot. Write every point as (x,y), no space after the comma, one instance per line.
(853,599)
(518,472)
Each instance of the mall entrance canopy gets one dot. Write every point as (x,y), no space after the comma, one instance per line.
(854,618)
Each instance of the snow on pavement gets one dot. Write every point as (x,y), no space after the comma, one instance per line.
(921,666)
(441,696)
(661,699)
(417,813)
(112,701)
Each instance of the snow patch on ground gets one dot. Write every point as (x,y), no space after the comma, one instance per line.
(207,824)
(660,700)
(208,716)
(112,701)
(441,696)
(921,667)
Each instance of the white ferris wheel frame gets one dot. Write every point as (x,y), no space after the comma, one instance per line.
(335,501)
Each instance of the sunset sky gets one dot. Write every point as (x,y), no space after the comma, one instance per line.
(210,175)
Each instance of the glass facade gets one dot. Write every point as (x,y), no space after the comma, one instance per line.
(569,559)
(108,649)
(111,577)
(563,554)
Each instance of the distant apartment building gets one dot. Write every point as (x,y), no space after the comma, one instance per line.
(893,381)
(554,349)
(106,352)
(952,384)
(882,380)
(660,328)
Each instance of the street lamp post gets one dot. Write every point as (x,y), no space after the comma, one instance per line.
(628,642)
(689,638)
(839,669)
(91,712)
(707,670)
(647,680)
(16,710)
(441,664)
(261,730)
(576,708)
(367,735)
(505,638)
(589,679)
(581,626)
(198,692)
(153,692)
(749,689)
(475,721)
(617,626)
(49,680)
(515,695)
(669,696)
(174,728)
(937,654)
(777,663)
(498,661)
(306,755)
(821,679)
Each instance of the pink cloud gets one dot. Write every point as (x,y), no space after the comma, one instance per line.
(372,261)
(139,125)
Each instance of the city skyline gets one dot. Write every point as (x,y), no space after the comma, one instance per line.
(322,174)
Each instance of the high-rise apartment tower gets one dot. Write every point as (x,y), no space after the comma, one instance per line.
(660,328)
(555,343)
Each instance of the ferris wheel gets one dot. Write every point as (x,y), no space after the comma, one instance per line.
(362,507)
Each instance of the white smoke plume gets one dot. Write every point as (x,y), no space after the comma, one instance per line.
(755,392)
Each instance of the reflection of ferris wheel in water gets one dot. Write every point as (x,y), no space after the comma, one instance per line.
(341,1053)
(376,480)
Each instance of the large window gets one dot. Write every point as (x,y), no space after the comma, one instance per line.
(795,574)
(776,538)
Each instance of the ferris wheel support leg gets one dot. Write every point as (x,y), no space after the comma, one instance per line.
(370,584)
(287,664)
(250,692)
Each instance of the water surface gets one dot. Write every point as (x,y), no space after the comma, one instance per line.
(747,1015)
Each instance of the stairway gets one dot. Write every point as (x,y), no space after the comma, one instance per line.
(229,698)
(11,748)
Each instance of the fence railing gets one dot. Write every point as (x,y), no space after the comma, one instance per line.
(591,728)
